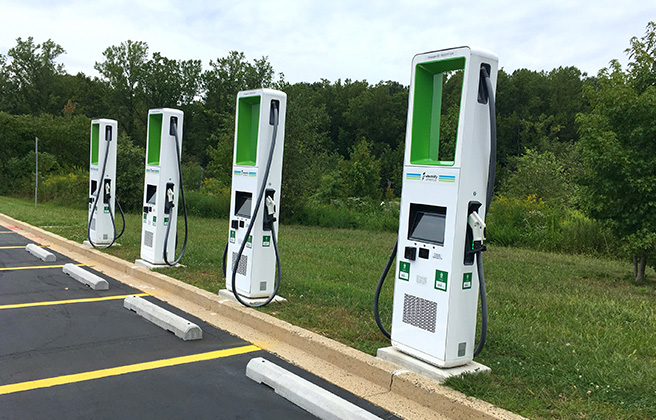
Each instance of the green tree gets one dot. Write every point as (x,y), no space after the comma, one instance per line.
(362,172)
(5,86)
(378,113)
(337,97)
(122,71)
(306,155)
(642,68)
(536,110)
(540,174)
(220,153)
(129,173)
(618,148)
(169,83)
(34,73)
(391,170)
(213,122)
(229,75)
(63,144)
(90,96)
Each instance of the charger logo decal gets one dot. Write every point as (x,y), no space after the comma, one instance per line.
(428,177)
(244,172)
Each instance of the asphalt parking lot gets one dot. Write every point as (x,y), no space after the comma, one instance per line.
(67,351)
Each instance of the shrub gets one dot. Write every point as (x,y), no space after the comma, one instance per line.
(192,176)
(69,189)
(583,235)
(205,205)
(531,222)
(129,174)
(350,213)
(213,200)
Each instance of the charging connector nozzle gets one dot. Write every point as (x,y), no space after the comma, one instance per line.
(477,225)
(173,126)
(269,210)
(270,206)
(170,197)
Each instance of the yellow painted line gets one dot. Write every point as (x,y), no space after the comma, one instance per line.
(66,302)
(21,246)
(39,266)
(122,370)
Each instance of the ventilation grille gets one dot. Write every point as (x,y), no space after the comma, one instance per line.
(148,239)
(419,312)
(263,286)
(93,224)
(241,268)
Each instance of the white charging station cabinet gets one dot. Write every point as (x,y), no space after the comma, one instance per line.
(104,133)
(254,128)
(445,178)
(161,180)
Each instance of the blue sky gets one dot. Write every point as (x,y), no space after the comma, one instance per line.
(309,40)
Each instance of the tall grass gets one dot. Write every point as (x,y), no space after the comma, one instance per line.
(529,222)
(66,189)
(350,213)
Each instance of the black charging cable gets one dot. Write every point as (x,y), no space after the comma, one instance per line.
(490,192)
(174,129)
(379,287)
(260,196)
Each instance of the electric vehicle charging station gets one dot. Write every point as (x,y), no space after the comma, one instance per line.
(447,185)
(101,223)
(251,254)
(162,185)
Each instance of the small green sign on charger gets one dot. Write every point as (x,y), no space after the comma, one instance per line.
(466,281)
(441,280)
(404,270)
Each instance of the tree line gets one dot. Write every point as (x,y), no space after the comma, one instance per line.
(573,140)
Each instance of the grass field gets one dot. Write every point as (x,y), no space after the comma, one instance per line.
(570,337)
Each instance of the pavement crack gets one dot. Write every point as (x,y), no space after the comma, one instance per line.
(394,373)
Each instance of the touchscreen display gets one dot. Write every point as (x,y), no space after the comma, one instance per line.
(428,227)
(243,204)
